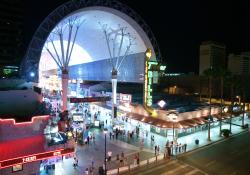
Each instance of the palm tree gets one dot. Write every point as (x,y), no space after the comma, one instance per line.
(222,74)
(209,73)
(242,87)
(232,82)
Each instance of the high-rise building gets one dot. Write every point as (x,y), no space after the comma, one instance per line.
(212,55)
(239,64)
(11,31)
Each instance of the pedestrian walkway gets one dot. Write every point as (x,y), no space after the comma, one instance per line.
(174,167)
(93,154)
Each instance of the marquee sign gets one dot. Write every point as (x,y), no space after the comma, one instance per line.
(148,82)
(89,99)
(35,157)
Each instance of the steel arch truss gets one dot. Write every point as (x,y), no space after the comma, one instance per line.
(31,60)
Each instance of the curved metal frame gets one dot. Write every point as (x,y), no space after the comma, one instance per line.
(31,60)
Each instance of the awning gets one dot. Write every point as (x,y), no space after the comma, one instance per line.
(156,121)
(183,124)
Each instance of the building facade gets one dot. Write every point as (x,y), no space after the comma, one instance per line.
(11,31)
(239,64)
(212,55)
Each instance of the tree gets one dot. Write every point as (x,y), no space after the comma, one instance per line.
(209,73)
(232,83)
(222,74)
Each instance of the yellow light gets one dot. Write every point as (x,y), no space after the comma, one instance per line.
(154,113)
(148,53)
(69,134)
(226,109)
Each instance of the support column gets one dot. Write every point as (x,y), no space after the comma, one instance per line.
(114,93)
(78,88)
(65,79)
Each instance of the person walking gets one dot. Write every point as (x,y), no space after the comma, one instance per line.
(91,171)
(109,155)
(110,135)
(135,159)
(158,149)
(94,138)
(75,164)
(86,171)
(176,148)
(138,159)
(155,149)
(92,162)
(185,147)
(88,140)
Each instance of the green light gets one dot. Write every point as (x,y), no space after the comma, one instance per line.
(163,68)
(7,71)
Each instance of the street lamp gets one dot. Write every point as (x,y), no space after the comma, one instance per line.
(239,99)
(105,131)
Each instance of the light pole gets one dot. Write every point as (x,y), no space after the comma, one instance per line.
(105,131)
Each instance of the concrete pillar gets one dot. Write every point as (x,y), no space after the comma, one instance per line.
(114,92)
(65,79)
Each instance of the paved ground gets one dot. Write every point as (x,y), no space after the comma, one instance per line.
(230,157)
(95,151)
(173,167)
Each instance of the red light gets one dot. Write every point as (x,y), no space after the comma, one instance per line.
(24,123)
(89,99)
(35,157)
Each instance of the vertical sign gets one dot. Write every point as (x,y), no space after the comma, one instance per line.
(150,77)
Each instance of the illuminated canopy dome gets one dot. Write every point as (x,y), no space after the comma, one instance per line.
(90,47)
(90,43)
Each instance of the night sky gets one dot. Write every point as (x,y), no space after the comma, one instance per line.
(179,26)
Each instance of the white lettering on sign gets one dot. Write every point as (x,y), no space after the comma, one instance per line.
(57,153)
(29,159)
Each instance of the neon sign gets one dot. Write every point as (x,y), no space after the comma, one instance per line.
(35,157)
(148,82)
(25,123)
(89,99)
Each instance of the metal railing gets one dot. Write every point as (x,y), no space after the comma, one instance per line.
(130,167)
